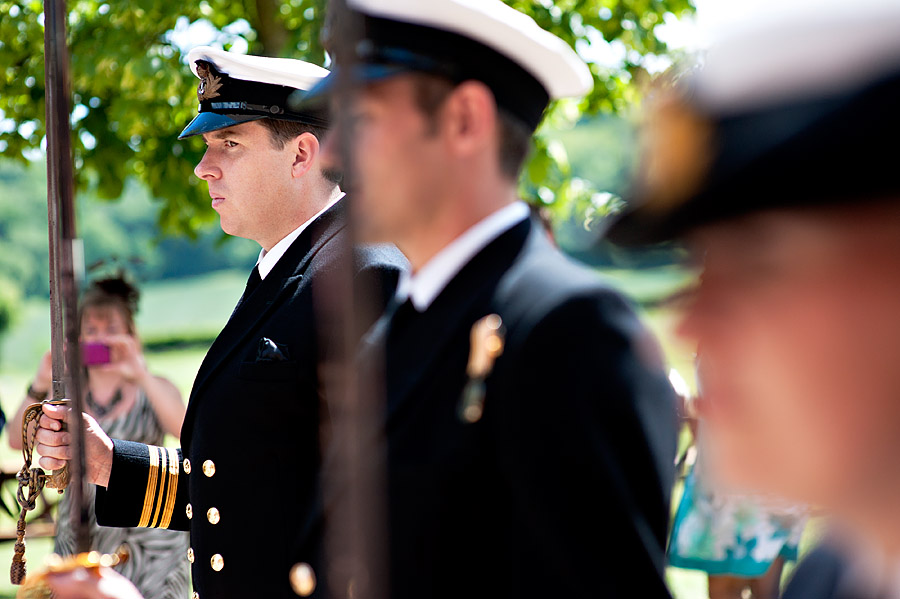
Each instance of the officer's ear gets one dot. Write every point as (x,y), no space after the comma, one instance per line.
(306,150)
(469,118)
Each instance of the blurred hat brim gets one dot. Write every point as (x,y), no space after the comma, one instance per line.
(206,122)
(360,74)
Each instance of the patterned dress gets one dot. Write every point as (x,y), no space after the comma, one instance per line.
(725,533)
(158,564)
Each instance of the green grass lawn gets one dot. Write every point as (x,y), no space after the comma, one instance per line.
(195,307)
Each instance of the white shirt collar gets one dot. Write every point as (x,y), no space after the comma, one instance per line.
(423,287)
(267,260)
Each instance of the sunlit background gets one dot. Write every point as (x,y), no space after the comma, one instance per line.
(191,275)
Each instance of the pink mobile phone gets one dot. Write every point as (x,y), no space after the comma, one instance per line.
(93,354)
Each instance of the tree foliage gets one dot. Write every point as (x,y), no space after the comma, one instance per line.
(132,92)
(121,234)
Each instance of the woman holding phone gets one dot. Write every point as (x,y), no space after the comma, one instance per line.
(129,403)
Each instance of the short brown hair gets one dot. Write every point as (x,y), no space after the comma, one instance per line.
(112,293)
(281,132)
(515,137)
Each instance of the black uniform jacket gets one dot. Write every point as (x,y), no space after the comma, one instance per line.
(244,481)
(823,574)
(562,488)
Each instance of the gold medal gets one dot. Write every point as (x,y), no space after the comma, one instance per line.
(487,341)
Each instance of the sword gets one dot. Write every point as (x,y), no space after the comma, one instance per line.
(354,533)
(64,325)
(65,328)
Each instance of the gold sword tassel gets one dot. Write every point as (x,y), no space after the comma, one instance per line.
(31,482)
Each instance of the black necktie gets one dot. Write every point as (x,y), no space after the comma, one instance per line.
(253,282)
(398,316)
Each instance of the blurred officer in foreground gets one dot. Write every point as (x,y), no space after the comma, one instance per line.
(530,428)
(82,583)
(250,437)
(777,163)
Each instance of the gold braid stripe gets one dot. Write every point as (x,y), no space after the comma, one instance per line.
(150,493)
(174,467)
(154,519)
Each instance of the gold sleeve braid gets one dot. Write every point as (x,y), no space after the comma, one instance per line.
(162,486)
(174,467)
(150,493)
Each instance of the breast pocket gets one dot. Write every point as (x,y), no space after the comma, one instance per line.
(269,371)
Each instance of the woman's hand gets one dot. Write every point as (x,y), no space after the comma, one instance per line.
(43,378)
(40,385)
(126,358)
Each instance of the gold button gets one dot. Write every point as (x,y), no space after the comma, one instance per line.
(123,553)
(186,466)
(191,554)
(209,468)
(195,595)
(189,511)
(217,562)
(213,515)
(303,579)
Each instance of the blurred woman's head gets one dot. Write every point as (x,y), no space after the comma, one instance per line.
(108,308)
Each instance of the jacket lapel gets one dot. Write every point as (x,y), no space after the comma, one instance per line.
(401,350)
(412,347)
(255,307)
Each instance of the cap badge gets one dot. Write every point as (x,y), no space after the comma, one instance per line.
(209,83)
(677,144)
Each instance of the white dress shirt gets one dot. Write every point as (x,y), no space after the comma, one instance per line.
(267,260)
(427,283)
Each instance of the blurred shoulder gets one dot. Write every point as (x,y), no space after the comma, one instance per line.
(818,575)
(543,282)
(380,256)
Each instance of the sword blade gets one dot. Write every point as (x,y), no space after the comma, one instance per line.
(67,380)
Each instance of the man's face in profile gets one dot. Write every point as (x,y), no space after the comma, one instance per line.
(399,159)
(798,324)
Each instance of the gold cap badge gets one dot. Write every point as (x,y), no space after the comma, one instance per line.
(677,152)
(209,83)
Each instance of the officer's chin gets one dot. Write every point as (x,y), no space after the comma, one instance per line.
(230,229)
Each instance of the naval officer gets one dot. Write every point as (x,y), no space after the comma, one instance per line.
(244,481)
(530,431)
(777,164)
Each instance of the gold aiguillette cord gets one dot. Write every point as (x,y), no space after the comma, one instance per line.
(31,482)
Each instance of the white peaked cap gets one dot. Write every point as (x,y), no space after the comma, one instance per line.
(785,50)
(236,88)
(791,109)
(261,69)
(492,23)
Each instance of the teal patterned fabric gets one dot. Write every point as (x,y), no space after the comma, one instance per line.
(731,534)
